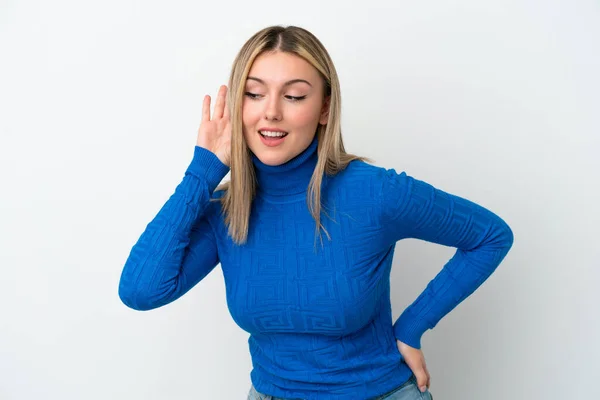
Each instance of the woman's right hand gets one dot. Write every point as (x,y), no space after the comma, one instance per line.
(215,134)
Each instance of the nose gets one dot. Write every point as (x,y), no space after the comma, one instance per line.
(273,109)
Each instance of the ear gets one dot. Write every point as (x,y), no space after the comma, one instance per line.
(325,111)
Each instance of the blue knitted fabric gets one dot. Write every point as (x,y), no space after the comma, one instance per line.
(319,315)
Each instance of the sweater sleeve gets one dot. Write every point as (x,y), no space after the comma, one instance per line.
(415,209)
(177,249)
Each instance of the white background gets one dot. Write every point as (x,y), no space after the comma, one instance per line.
(100,103)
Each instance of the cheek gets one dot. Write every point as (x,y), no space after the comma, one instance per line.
(305,116)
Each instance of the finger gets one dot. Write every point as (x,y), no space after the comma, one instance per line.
(426,371)
(421,380)
(219,105)
(226,113)
(206,108)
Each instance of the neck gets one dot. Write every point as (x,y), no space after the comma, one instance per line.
(289,178)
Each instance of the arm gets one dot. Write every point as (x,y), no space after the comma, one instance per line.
(177,249)
(414,209)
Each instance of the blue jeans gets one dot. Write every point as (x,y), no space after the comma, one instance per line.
(407,391)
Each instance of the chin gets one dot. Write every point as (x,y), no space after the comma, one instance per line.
(272,159)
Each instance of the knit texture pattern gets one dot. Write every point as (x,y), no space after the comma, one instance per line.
(318,313)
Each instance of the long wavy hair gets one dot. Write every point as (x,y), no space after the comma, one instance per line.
(240,190)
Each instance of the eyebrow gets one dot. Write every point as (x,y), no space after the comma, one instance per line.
(285,84)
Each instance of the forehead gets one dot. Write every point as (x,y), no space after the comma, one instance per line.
(277,68)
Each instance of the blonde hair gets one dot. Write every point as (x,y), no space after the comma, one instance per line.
(240,190)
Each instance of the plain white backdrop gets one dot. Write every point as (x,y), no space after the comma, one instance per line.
(100,103)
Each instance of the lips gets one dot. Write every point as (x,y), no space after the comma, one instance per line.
(273,136)
(272,141)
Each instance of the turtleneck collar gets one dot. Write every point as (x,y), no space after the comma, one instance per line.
(289,178)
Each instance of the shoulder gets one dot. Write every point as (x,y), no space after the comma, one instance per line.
(362,180)
(360,172)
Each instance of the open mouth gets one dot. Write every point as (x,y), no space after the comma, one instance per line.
(273,135)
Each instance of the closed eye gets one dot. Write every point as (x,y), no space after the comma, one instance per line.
(296,98)
(254,96)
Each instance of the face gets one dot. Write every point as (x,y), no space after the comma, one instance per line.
(283,93)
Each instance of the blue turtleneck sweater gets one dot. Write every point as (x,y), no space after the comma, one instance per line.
(319,317)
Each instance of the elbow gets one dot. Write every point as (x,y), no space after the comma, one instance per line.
(508,236)
(134,298)
(500,238)
(503,239)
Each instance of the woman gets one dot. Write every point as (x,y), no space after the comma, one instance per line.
(318,311)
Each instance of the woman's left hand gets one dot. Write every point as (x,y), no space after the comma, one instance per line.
(415,360)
